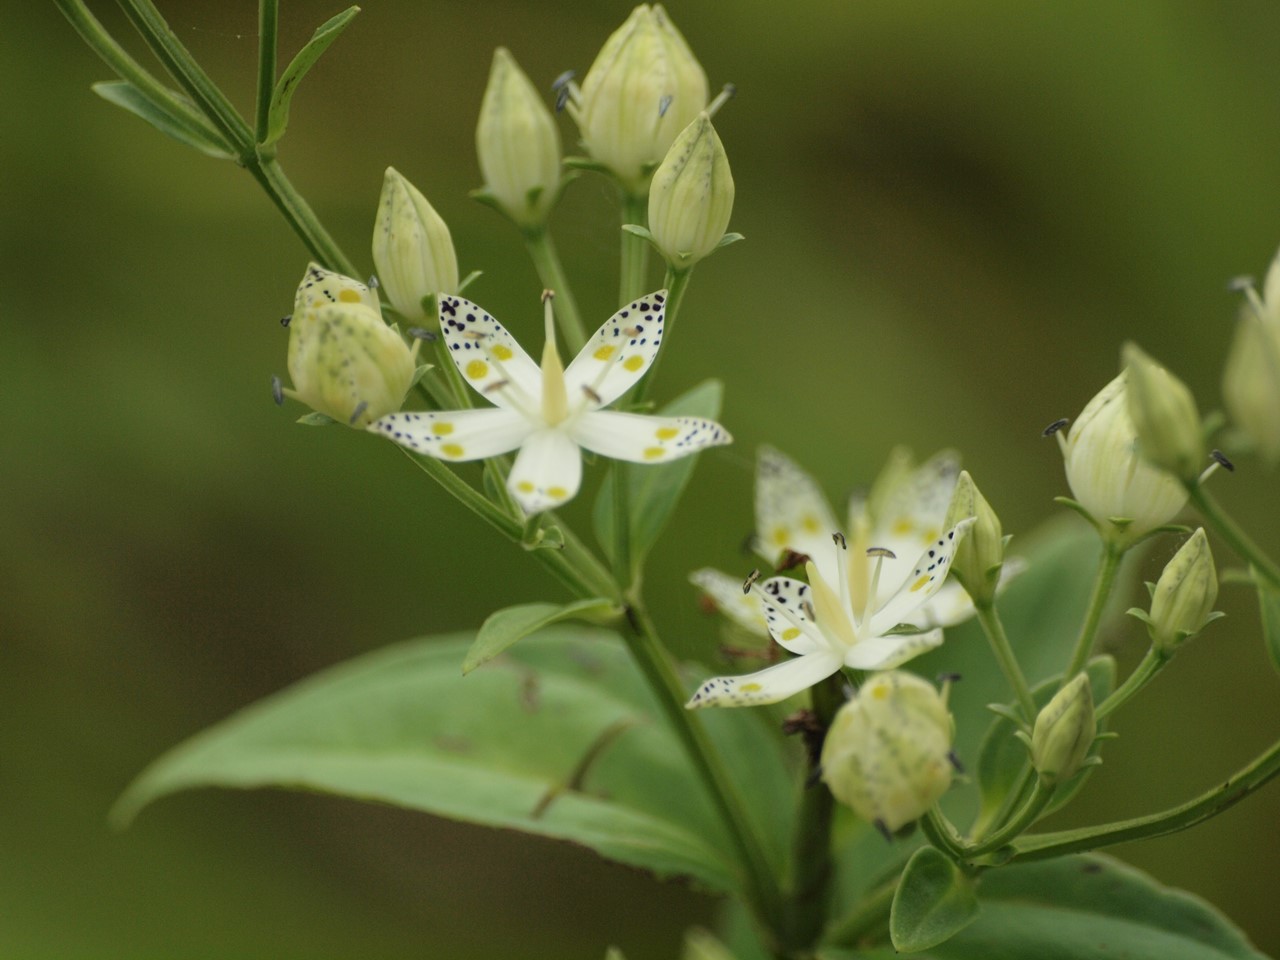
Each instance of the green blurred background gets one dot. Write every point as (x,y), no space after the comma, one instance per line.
(955,214)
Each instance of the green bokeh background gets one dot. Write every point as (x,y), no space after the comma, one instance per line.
(955,214)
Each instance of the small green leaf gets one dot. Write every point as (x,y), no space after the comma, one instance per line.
(315,419)
(505,627)
(934,901)
(1269,606)
(190,129)
(326,33)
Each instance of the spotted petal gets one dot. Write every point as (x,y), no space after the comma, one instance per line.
(619,353)
(791,511)
(547,471)
(788,612)
(488,356)
(645,439)
(926,579)
(913,513)
(743,609)
(321,287)
(885,653)
(769,685)
(456,434)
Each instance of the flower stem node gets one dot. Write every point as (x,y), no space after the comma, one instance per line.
(412,249)
(1125,496)
(980,556)
(1164,414)
(1183,598)
(344,361)
(691,196)
(887,754)
(518,145)
(644,87)
(1064,731)
(1251,376)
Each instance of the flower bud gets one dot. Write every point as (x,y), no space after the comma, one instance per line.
(518,145)
(691,197)
(1064,732)
(643,88)
(343,360)
(412,249)
(1183,599)
(1251,377)
(980,555)
(1164,415)
(888,752)
(1126,496)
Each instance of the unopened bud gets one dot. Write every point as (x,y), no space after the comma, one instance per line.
(518,145)
(691,197)
(344,361)
(1064,732)
(1164,415)
(1184,596)
(1126,496)
(980,555)
(412,249)
(1251,377)
(644,87)
(887,754)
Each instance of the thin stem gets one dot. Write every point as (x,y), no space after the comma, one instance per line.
(993,626)
(676,283)
(298,213)
(1142,674)
(942,833)
(1108,566)
(551,272)
(1240,785)
(268,31)
(869,918)
(1233,533)
(620,548)
(635,250)
(1025,817)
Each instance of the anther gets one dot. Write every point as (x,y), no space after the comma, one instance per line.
(473,335)
(791,559)
(750,582)
(591,395)
(1240,284)
(373,282)
(807,608)
(839,540)
(884,829)
(1054,427)
(285,321)
(632,331)
(422,333)
(562,81)
(881,552)
(496,385)
(955,761)
(562,98)
(277,391)
(548,295)
(1221,459)
(358,412)
(664,104)
(949,678)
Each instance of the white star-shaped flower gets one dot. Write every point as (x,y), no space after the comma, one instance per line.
(550,413)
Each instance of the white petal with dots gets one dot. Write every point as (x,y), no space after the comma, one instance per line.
(791,511)
(547,471)
(788,612)
(925,580)
(456,434)
(488,357)
(645,439)
(885,653)
(766,686)
(744,609)
(619,353)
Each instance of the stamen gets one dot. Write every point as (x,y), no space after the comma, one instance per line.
(750,582)
(285,321)
(664,105)
(358,412)
(422,333)
(840,541)
(1221,458)
(727,93)
(1240,284)
(562,81)
(1054,427)
(277,391)
(373,282)
(880,553)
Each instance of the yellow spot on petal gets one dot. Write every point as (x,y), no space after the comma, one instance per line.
(524,486)
(932,533)
(903,526)
(605,352)
(790,633)
(501,352)
(781,535)
(668,433)
(920,583)
(477,369)
(880,691)
(559,493)
(633,362)
(451,449)
(810,523)
(349,296)
(653,453)
(441,429)
(750,687)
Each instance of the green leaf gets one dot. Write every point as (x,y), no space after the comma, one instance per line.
(315,419)
(190,129)
(282,97)
(655,490)
(505,627)
(934,901)
(1077,907)
(559,738)
(1269,607)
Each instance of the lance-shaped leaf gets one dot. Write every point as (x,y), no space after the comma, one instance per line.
(282,97)
(188,128)
(505,627)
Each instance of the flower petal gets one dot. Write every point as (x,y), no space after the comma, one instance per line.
(456,434)
(619,353)
(489,357)
(766,686)
(644,439)
(547,471)
(913,513)
(792,513)
(926,579)
(788,612)
(743,609)
(885,653)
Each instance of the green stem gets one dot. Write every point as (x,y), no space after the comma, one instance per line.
(635,250)
(868,919)
(298,213)
(1025,817)
(620,548)
(1230,531)
(1142,674)
(994,628)
(268,30)
(942,833)
(551,272)
(1240,785)
(1108,566)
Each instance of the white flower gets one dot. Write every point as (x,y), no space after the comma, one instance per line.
(552,412)
(832,626)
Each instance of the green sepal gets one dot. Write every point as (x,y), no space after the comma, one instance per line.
(729,238)
(1077,507)
(586,163)
(505,627)
(315,419)
(934,901)
(282,96)
(469,279)
(190,129)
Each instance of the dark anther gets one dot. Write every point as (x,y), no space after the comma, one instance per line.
(955,761)
(548,295)
(949,678)
(358,412)
(884,829)
(839,540)
(730,90)
(277,391)
(285,321)
(752,577)
(1221,459)
(1054,427)
(663,105)
(881,552)
(422,333)
(562,97)
(562,81)
(792,559)
(802,721)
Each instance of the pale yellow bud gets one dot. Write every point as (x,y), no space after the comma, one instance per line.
(691,196)
(412,249)
(1064,732)
(1184,596)
(518,144)
(1251,377)
(644,87)
(887,754)
(1164,415)
(980,554)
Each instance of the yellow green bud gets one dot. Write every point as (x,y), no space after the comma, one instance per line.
(344,361)
(1165,416)
(1251,377)
(518,145)
(691,196)
(1184,596)
(980,554)
(1126,496)
(888,752)
(1064,731)
(412,249)
(644,87)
